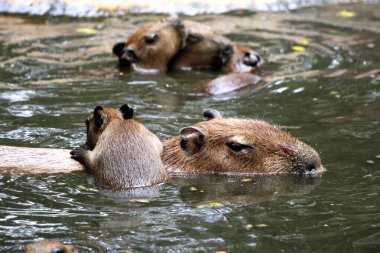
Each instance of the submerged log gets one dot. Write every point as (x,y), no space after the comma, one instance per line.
(37,160)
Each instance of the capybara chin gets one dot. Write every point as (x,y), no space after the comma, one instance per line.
(227,145)
(122,153)
(152,47)
(49,246)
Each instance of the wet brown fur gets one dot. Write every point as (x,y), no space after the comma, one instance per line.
(48,246)
(155,56)
(123,152)
(204,148)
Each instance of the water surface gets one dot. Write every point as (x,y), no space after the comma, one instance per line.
(328,95)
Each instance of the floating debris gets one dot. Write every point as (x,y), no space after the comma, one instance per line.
(86,30)
(245,180)
(302,41)
(145,201)
(346,14)
(261,225)
(298,48)
(210,204)
(82,187)
(248,226)
(370,161)
(193,189)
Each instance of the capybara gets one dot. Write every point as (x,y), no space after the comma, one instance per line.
(227,145)
(150,49)
(203,48)
(122,153)
(49,246)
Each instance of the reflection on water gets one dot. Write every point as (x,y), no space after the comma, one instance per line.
(322,77)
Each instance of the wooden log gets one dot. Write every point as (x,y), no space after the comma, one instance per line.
(37,160)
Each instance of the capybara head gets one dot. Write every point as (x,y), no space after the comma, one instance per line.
(203,48)
(227,145)
(152,46)
(99,120)
(48,246)
(243,59)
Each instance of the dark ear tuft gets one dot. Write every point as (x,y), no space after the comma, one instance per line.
(126,111)
(210,114)
(118,49)
(99,118)
(192,139)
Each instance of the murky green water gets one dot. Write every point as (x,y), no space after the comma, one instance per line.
(328,95)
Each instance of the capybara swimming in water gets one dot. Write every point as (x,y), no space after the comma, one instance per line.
(227,145)
(122,153)
(150,49)
(49,246)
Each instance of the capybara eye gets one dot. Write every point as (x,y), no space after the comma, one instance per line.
(87,123)
(237,147)
(150,39)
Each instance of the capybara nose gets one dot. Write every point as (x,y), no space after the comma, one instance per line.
(251,59)
(118,49)
(130,55)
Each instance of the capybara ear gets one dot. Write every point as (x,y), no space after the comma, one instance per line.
(210,114)
(99,117)
(192,139)
(118,49)
(126,111)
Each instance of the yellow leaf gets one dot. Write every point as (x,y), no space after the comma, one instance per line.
(246,180)
(210,204)
(346,14)
(86,30)
(59,183)
(302,41)
(298,48)
(261,225)
(82,187)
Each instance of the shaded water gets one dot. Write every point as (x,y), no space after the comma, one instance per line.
(328,95)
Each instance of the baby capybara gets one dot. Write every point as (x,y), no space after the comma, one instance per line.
(122,153)
(227,145)
(49,246)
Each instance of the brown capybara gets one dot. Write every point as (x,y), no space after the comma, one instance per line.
(122,153)
(49,246)
(203,48)
(150,49)
(227,145)
(206,49)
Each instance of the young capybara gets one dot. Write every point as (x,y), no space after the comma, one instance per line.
(227,145)
(49,246)
(243,60)
(122,153)
(150,49)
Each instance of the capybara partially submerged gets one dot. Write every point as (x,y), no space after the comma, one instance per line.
(49,246)
(227,145)
(122,153)
(152,47)
(203,48)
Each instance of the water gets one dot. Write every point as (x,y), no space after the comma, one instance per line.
(327,95)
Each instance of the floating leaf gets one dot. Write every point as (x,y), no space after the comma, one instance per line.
(261,225)
(193,189)
(302,41)
(82,187)
(377,157)
(346,14)
(246,180)
(220,251)
(61,183)
(298,48)
(210,204)
(86,30)
(370,162)
(140,200)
